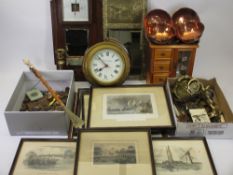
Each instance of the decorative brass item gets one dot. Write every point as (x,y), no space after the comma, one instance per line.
(189,93)
(188,26)
(61,58)
(185,87)
(158,27)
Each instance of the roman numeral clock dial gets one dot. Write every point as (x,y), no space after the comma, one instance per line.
(106,63)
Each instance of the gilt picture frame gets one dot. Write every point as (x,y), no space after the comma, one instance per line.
(129,107)
(177,155)
(120,14)
(112,152)
(44,156)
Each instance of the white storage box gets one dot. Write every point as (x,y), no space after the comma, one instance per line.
(39,122)
(210,130)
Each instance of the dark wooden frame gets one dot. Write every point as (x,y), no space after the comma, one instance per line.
(203,139)
(120,131)
(170,129)
(34,140)
(94,27)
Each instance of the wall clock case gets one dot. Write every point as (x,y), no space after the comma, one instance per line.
(76,25)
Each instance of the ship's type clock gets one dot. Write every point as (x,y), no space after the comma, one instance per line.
(106,63)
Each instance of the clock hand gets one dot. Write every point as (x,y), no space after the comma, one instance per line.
(105,65)
(100,69)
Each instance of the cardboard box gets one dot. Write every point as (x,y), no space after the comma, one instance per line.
(39,122)
(210,130)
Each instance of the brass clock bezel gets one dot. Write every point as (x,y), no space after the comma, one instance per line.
(107,44)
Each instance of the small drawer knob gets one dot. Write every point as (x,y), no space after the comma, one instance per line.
(162,54)
(161,67)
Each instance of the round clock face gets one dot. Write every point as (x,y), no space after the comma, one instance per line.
(106,64)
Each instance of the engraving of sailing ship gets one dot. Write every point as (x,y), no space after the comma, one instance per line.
(129,104)
(45,159)
(185,161)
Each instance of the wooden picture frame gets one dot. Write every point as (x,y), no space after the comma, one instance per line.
(114,152)
(83,102)
(85,107)
(189,156)
(131,107)
(44,156)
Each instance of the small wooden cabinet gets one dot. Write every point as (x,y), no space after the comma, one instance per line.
(169,61)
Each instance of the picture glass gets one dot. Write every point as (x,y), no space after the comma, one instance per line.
(175,157)
(120,14)
(39,157)
(114,153)
(129,106)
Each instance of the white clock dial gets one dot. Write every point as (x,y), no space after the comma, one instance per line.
(75,10)
(107,65)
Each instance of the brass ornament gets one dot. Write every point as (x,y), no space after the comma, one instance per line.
(61,58)
(189,93)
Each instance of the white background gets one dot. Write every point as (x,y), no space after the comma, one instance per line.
(25,31)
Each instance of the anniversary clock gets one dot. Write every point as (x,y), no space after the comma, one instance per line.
(76,25)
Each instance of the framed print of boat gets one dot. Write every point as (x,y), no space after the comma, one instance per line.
(44,156)
(130,107)
(189,156)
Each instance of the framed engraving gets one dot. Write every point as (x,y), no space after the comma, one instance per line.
(139,106)
(44,156)
(129,106)
(189,156)
(114,152)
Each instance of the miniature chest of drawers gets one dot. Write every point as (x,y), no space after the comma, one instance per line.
(169,61)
